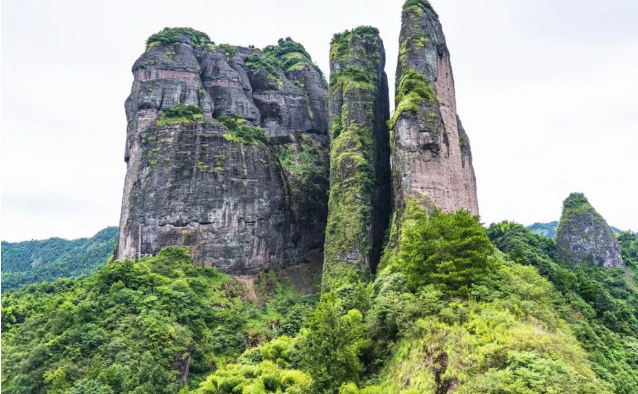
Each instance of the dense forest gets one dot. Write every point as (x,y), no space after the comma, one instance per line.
(454,306)
(39,261)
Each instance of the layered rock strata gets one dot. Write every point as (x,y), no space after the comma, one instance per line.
(360,179)
(431,158)
(583,236)
(226,152)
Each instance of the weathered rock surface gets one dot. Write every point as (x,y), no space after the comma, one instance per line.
(584,236)
(431,157)
(360,180)
(248,193)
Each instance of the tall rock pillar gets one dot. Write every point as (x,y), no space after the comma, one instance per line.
(431,157)
(359,204)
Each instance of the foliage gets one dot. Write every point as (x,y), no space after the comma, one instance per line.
(600,305)
(419,6)
(629,246)
(180,114)
(240,131)
(268,64)
(432,341)
(342,44)
(229,50)
(303,159)
(134,327)
(329,349)
(47,260)
(265,377)
(173,35)
(413,91)
(449,250)
(290,55)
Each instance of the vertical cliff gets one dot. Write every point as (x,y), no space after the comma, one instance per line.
(431,158)
(360,180)
(226,151)
(583,235)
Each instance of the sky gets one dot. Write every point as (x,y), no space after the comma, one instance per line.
(546,89)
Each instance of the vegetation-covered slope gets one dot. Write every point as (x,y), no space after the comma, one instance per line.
(600,304)
(137,327)
(37,261)
(449,313)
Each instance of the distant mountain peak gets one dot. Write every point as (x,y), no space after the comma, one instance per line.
(584,235)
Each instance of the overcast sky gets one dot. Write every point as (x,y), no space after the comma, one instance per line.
(547,91)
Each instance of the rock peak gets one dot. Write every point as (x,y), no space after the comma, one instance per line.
(583,235)
(226,152)
(432,159)
(360,181)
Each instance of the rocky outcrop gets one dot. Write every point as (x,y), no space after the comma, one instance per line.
(584,236)
(360,180)
(431,158)
(226,152)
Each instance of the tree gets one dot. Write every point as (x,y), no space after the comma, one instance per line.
(448,250)
(331,345)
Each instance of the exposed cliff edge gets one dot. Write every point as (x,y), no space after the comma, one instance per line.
(227,152)
(583,235)
(360,180)
(431,156)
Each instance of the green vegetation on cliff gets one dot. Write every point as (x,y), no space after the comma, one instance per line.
(418,6)
(180,114)
(47,260)
(354,80)
(414,90)
(239,130)
(173,35)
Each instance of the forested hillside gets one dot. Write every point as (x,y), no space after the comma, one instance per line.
(449,312)
(38,261)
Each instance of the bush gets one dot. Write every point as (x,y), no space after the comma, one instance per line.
(180,114)
(330,347)
(449,251)
(173,35)
(239,130)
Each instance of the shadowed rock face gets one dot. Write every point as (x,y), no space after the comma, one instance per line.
(360,180)
(242,177)
(431,159)
(583,235)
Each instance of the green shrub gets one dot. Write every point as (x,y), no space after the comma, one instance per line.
(173,35)
(419,6)
(180,114)
(330,347)
(240,131)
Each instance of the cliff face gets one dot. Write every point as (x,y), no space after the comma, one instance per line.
(360,180)
(431,157)
(584,235)
(226,151)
